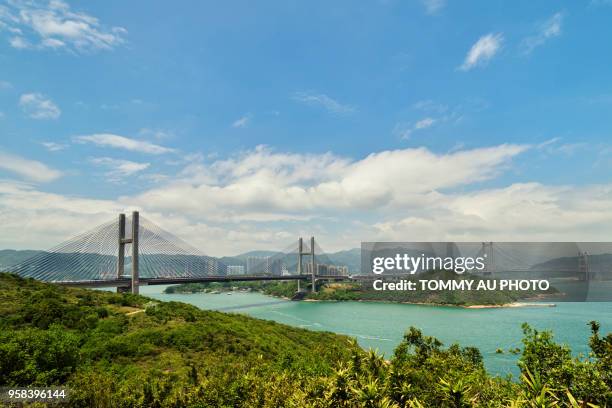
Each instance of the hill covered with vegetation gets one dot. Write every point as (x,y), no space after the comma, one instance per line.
(122,350)
(343,291)
(125,350)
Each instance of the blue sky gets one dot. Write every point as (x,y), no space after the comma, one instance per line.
(352,120)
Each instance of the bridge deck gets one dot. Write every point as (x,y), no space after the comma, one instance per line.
(126,282)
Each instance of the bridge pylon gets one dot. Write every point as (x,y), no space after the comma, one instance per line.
(313,265)
(583,266)
(133,240)
(488,253)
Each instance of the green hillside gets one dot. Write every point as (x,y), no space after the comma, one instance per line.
(126,350)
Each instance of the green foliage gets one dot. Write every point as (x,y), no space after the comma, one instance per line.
(548,367)
(118,350)
(37,357)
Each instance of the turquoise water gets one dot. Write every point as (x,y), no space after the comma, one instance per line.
(381,325)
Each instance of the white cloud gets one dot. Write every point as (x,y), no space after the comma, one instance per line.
(519,212)
(551,28)
(119,169)
(54,147)
(554,146)
(404,130)
(242,122)
(571,148)
(482,51)
(38,106)
(122,142)
(30,169)
(231,205)
(157,134)
(53,25)
(451,113)
(264,199)
(284,185)
(548,142)
(5,85)
(428,105)
(35,219)
(433,6)
(19,43)
(424,123)
(324,101)
(155,177)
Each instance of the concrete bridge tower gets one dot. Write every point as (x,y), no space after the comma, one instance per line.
(313,265)
(121,255)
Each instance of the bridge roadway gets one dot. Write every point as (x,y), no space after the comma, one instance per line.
(127,282)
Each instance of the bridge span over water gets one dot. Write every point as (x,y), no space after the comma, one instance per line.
(133,251)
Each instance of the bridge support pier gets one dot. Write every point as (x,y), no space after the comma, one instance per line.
(488,253)
(135,277)
(583,266)
(313,265)
(121,255)
(299,260)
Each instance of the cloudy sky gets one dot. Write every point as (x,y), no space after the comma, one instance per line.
(240,127)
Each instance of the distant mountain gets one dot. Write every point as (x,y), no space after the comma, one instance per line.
(232,260)
(349,257)
(262,253)
(597,263)
(241,259)
(9,257)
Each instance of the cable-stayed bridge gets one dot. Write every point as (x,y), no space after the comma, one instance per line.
(133,251)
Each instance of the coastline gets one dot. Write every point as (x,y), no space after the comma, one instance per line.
(483,306)
(476,306)
(511,305)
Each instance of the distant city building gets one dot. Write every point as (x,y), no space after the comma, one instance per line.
(212,266)
(276,267)
(235,270)
(285,271)
(327,270)
(258,265)
(341,270)
(264,265)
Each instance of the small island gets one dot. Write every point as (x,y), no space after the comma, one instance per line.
(363,291)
